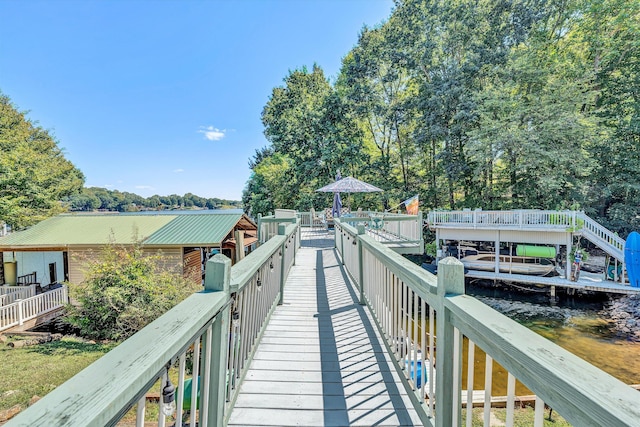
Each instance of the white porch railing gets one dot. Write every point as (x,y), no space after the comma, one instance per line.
(22,310)
(575,221)
(9,294)
(601,236)
(514,218)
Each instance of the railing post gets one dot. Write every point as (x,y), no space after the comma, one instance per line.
(281,232)
(295,244)
(360,266)
(259,229)
(341,243)
(20,312)
(217,278)
(450,281)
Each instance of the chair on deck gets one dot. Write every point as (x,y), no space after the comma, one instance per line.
(316,220)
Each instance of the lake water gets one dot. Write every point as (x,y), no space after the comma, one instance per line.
(577,324)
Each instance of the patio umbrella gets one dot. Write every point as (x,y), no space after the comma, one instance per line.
(349,185)
(346,185)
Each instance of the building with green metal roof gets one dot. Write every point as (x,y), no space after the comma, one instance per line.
(55,248)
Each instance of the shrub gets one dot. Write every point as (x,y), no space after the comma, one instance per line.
(124,290)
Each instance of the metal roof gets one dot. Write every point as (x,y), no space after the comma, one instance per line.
(195,230)
(66,230)
(99,229)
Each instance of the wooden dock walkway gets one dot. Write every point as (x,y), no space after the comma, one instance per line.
(321,361)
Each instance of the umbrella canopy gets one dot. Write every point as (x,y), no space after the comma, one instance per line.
(349,185)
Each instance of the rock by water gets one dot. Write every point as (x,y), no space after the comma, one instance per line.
(624,316)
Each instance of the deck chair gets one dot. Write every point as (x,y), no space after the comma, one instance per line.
(328,218)
(316,220)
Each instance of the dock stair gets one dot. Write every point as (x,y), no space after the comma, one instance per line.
(600,236)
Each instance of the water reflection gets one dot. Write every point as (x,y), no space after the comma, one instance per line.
(576,323)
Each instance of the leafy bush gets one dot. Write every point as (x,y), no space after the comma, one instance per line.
(124,290)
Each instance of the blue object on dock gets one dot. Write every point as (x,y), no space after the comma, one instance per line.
(632,258)
(415,374)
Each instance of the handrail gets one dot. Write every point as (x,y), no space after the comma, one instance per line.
(20,309)
(560,220)
(219,328)
(603,237)
(580,392)
(401,296)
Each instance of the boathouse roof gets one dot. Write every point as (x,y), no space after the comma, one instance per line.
(176,229)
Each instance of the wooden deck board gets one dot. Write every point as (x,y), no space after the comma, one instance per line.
(321,361)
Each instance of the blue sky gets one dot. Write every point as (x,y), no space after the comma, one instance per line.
(164,97)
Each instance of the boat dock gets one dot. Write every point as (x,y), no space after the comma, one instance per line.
(561,230)
(585,283)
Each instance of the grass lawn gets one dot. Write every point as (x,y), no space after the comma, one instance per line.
(36,370)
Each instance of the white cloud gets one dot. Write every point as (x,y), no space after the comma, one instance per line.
(144,187)
(211,133)
(178,170)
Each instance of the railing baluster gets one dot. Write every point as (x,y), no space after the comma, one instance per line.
(538,420)
(470,372)
(488,374)
(457,380)
(206,376)
(432,379)
(415,341)
(180,391)
(511,393)
(423,347)
(194,382)
(140,411)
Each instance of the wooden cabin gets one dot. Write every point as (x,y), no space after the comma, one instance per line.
(57,248)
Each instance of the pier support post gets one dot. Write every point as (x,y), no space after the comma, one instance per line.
(217,279)
(567,269)
(497,250)
(553,291)
(450,282)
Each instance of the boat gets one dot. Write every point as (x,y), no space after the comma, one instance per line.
(512,264)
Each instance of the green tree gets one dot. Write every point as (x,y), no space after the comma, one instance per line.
(123,291)
(34,174)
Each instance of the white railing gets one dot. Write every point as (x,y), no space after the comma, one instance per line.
(405,301)
(9,316)
(389,228)
(9,294)
(601,236)
(22,310)
(516,219)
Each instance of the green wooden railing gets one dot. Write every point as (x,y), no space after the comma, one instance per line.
(215,332)
(406,301)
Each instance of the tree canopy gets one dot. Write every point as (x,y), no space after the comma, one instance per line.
(34,174)
(493,104)
(98,198)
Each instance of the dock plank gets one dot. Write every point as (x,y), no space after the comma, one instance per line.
(321,361)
